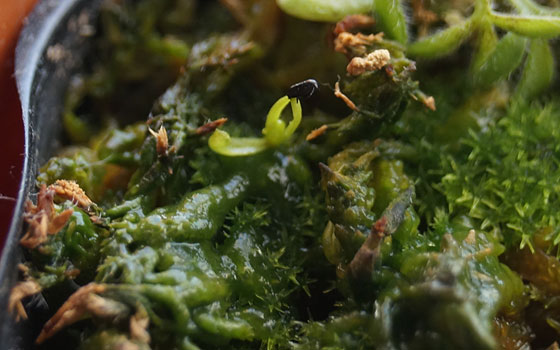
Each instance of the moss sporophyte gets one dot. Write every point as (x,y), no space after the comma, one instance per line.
(359,217)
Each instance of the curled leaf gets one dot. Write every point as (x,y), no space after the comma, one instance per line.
(275,130)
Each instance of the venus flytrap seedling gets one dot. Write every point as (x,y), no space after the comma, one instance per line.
(274,133)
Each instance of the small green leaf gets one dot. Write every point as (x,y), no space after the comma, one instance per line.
(441,43)
(324,10)
(528,25)
(539,70)
(530,7)
(485,44)
(77,129)
(502,61)
(221,143)
(390,16)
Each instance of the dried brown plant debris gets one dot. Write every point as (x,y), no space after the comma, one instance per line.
(42,219)
(423,17)
(426,100)
(370,251)
(210,126)
(352,22)
(24,269)
(84,302)
(139,323)
(356,44)
(21,291)
(339,94)
(316,132)
(372,62)
(70,190)
(162,142)
(429,102)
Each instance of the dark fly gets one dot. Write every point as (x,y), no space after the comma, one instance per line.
(303,90)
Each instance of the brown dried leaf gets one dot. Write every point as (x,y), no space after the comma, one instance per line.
(370,251)
(24,269)
(352,22)
(344,98)
(471,237)
(42,218)
(45,201)
(37,231)
(210,126)
(84,301)
(429,102)
(21,291)
(162,142)
(316,132)
(30,208)
(139,326)
(426,100)
(347,43)
(70,190)
(57,223)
